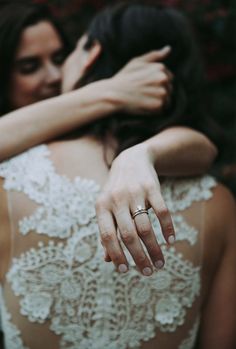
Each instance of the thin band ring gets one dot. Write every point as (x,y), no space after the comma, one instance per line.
(140,210)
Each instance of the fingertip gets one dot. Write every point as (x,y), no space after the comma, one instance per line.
(166,49)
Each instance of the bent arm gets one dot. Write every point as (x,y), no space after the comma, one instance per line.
(148,80)
(40,122)
(181,151)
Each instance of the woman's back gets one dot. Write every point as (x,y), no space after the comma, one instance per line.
(57,292)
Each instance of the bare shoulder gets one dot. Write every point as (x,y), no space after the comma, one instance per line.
(219,223)
(220,209)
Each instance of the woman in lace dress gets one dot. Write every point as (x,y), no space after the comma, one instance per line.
(56,292)
(36,46)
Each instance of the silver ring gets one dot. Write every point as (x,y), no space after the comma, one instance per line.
(140,210)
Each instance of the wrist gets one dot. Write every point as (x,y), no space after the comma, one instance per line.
(150,151)
(113,94)
(100,98)
(144,149)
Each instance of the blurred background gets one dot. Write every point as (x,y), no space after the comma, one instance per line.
(214,23)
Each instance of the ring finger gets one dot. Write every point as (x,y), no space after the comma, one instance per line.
(147,235)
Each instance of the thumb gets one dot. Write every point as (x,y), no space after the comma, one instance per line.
(157,55)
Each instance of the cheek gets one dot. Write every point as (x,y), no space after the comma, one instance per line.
(72,72)
(24,90)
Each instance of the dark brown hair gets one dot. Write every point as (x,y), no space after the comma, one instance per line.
(15,16)
(128,30)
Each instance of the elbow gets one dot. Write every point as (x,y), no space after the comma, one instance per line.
(210,153)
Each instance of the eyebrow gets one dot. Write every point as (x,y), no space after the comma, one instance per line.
(28,58)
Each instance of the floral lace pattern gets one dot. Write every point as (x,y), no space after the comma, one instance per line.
(12,335)
(89,304)
(81,295)
(189,342)
(46,188)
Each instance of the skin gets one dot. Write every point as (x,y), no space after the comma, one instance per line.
(221,231)
(218,301)
(36,73)
(218,326)
(120,204)
(150,84)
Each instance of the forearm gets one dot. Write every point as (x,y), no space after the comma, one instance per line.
(40,122)
(180,151)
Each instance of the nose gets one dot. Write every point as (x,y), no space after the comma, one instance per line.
(53,74)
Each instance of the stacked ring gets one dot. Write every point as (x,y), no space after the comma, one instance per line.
(140,210)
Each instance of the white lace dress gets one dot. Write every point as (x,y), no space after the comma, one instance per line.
(58,291)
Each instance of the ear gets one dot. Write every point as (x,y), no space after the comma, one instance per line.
(92,55)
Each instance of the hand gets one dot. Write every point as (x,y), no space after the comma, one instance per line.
(132,182)
(144,85)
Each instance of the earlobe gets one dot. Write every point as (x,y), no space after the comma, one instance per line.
(93,54)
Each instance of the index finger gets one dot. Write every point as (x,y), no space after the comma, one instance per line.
(156,55)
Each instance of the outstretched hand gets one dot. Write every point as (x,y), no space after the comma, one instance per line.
(133,183)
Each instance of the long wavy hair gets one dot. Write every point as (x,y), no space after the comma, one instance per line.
(128,30)
(15,17)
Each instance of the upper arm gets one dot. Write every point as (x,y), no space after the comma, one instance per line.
(182,151)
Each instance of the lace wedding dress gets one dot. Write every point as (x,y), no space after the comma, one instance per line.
(59,293)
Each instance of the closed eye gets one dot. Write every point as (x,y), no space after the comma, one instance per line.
(59,57)
(27,66)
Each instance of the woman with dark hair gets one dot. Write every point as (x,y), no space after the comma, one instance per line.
(54,285)
(15,17)
(32,50)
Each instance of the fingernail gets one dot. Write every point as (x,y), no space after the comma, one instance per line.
(171,239)
(147,271)
(159,264)
(122,268)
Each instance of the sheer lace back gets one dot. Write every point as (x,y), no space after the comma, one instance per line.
(59,293)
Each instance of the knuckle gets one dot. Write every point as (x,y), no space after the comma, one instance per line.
(134,192)
(101,203)
(117,259)
(158,104)
(163,93)
(154,250)
(141,259)
(106,236)
(161,103)
(150,187)
(169,229)
(128,237)
(163,78)
(161,67)
(144,230)
(163,212)
(116,197)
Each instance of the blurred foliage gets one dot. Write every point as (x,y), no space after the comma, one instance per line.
(214,23)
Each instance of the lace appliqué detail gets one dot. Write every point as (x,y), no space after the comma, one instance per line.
(12,335)
(188,343)
(91,305)
(33,173)
(64,204)
(181,193)
(87,302)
